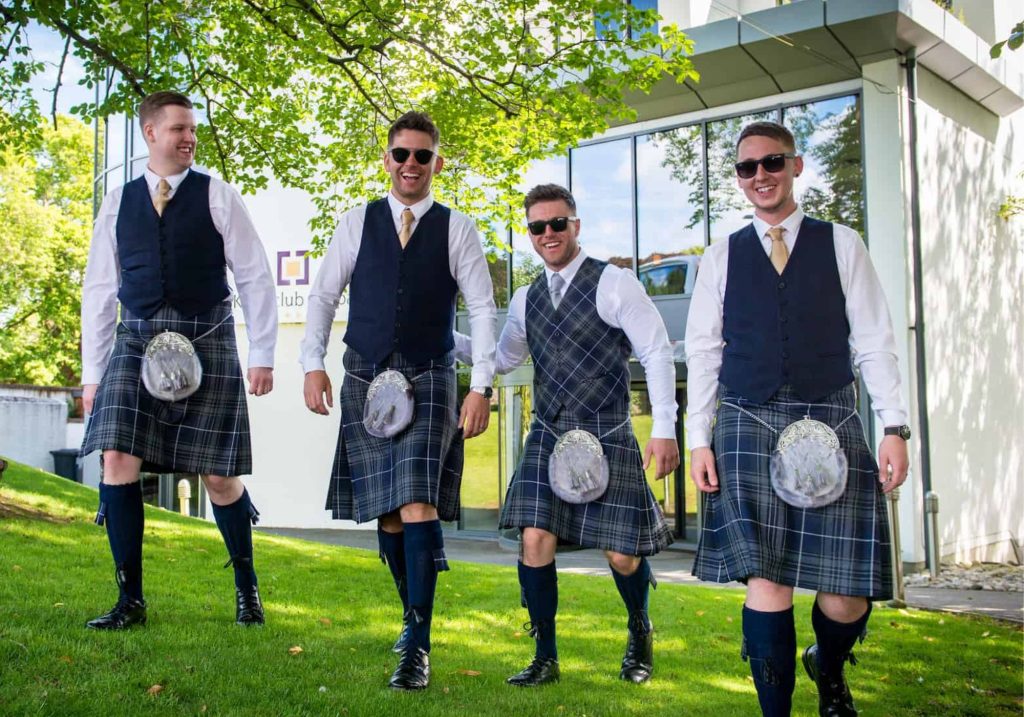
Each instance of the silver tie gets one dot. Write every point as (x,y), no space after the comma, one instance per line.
(557,287)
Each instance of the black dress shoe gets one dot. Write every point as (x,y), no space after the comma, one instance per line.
(539,672)
(404,639)
(834,698)
(126,613)
(248,608)
(638,662)
(413,671)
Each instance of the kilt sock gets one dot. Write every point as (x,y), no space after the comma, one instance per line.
(540,586)
(769,643)
(836,639)
(235,522)
(424,559)
(635,589)
(392,553)
(121,511)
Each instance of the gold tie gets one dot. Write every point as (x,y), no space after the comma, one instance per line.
(780,254)
(406,233)
(163,196)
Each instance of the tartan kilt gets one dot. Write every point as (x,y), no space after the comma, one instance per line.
(423,464)
(840,548)
(626,519)
(206,433)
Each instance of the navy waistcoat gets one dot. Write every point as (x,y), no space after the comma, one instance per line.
(177,258)
(580,363)
(788,329)
(402,300)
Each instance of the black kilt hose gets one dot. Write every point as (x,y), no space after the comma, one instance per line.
(422,464)
(626,519)
(206,433)
(841,548)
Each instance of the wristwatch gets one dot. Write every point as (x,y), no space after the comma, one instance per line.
(485,391)
(901,431)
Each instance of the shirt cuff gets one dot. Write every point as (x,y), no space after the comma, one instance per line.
(261,358)
(310,363)
(91,374)
(481,376)
(663,429)
(891,417)
(698,439)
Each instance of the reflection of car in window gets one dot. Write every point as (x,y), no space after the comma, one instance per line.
(669,275)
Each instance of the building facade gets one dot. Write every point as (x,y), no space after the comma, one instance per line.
(906,127)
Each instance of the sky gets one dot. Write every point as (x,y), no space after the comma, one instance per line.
(47,47)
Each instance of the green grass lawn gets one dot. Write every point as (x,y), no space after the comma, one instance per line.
(339,606)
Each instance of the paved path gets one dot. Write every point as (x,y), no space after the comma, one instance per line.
(670,566)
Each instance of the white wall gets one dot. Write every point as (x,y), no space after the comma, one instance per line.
(293,448)
(886,180)
(974,313)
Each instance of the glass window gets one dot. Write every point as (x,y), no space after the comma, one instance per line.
(727,206)
(602,183)
(643,5)
(115,178)
(139,146)
(827,135)
(116,138)
(525,263)
(670,204)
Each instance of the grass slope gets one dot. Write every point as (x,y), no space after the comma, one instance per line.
(339,606)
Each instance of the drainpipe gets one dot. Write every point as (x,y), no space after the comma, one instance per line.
(915,243)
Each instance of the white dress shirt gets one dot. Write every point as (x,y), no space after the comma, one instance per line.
(622,303)
(466,262)
(243,252)
(872,343)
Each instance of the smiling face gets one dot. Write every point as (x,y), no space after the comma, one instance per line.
(410,180)
(171,136)
(770,193)
(557,249)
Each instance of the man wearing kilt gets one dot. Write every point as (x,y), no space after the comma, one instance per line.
(404,258)
(781,313)
(580,320)
(161,245)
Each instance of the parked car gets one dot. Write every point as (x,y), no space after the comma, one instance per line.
(670,275)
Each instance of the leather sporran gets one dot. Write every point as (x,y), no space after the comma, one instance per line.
(171,369)
(578,468)
(809,467)
(390,405)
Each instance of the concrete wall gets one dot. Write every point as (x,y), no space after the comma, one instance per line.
(973,307)
(32,427)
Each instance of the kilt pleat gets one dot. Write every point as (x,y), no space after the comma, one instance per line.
(206,433)
(626,519)
(841,548)
(422,464)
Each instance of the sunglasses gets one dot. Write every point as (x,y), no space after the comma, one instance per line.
(400,154)
(557,224)
(772,163)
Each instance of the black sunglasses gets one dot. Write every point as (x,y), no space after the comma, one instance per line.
(557,224)
(772,163)
(400,154)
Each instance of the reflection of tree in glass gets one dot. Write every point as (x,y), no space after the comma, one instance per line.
(497,265)
(524,270)
(683,155)
(833,140)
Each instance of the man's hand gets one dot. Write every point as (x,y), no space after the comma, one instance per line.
(89,397)
(317,391)
(892,463)
(261,380)
(702,470)
(475,414)
(665,453)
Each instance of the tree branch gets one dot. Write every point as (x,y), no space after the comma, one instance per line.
(126,71)
(60,75)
